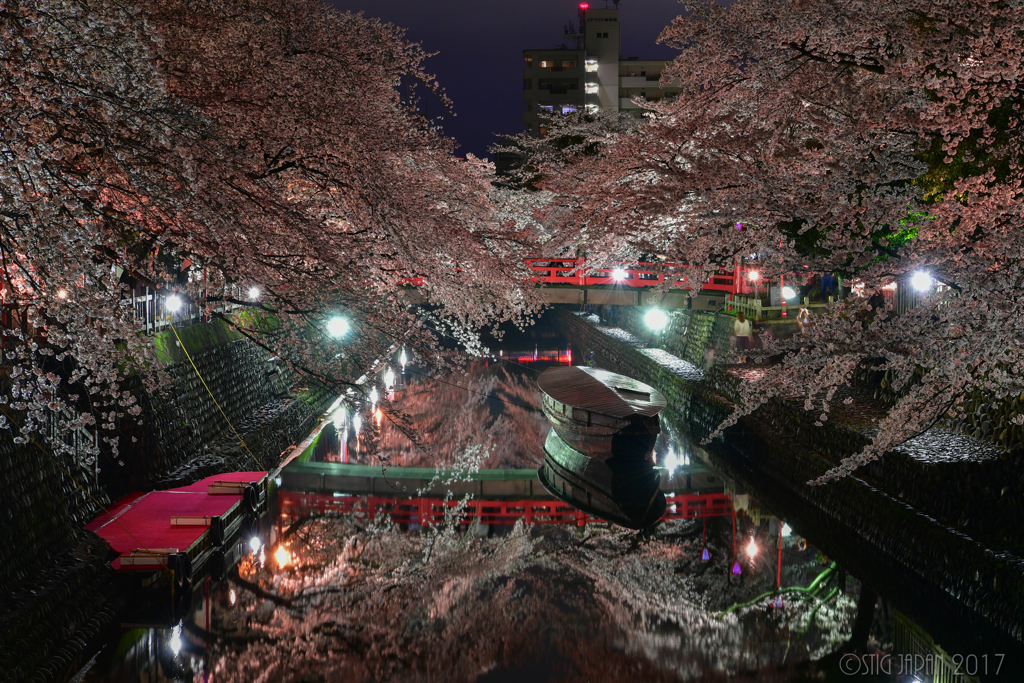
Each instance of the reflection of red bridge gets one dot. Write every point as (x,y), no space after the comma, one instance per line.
(560,357)
(294,505)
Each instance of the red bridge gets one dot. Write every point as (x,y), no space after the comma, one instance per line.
(429,511)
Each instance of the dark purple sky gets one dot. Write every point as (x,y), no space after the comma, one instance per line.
(481,43)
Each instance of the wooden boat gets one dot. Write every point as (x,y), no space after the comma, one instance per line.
(597,456)
(598,412)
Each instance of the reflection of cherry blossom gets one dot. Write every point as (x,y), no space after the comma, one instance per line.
(455,414)
(361,603)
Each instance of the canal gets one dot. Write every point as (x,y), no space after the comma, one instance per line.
(323,597)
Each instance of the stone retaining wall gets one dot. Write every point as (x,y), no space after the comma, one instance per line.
(882,535)
(56,589)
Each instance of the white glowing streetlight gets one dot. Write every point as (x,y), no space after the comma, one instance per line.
(62,294)
(751,549)
(752,275)
(619,274)
(173,303)
(921,281)
(176,639)
(403,359)
(788,292)
(670,462)
(254,293)
(337,326)
(254,543)
(656,319)
(389,378)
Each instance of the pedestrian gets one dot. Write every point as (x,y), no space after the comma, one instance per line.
(741,330)
(828,283)
(804,320)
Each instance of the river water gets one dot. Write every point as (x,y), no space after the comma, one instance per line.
(337,598)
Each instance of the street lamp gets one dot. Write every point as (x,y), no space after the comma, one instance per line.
(753,275)
(254,293)
(173,304)
(619,274)
(752,549)
(788,293)
(337,326)
(656,319)
(921,281)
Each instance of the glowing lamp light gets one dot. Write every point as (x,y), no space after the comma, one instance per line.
(788,292)
(786,531)
(357,423)
(336,327)
(255,543)
(656,319)
(670,462)
(378,415)
(173,304)
(403,359)
(619,274)
(374,396)
(389,378)
(736,568)
(753,275)
(176,639)
(232,597)
(751,549)
(254,293)
(338,418)
(921,281)
(584,6)
(282,557)
(705,555)
(62,294)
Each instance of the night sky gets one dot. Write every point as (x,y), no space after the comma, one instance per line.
(481,43)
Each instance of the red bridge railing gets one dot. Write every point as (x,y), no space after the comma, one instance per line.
(572,271)
(429,511)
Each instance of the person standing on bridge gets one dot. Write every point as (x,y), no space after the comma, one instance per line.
(741,330)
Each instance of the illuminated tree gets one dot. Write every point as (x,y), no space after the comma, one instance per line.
(264,143)
(876,140)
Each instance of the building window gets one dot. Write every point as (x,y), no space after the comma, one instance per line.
(545,107)
(568,64)
(568,109)
(643,73)
(529,61)
(546,64)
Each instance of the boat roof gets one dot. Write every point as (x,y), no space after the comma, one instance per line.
(601,391)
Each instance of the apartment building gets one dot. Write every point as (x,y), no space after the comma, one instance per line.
(591,76)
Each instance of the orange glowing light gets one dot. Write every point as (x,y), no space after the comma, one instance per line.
(282,557)
(378,415)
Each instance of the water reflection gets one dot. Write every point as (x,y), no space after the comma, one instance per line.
(340,598)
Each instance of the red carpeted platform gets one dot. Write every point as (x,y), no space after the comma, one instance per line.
(143,520)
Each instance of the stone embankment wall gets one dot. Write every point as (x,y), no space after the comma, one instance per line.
(910,557)
(56,589)
(983,498)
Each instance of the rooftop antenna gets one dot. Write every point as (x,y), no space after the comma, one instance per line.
(581,40)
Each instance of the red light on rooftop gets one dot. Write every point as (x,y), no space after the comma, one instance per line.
(584,5)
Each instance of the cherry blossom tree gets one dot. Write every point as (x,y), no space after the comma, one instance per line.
(876,140)
(215,146)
